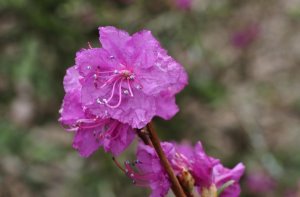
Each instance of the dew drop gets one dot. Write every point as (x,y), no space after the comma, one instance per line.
(131,77)
(138,87)
(89,67)
(126,92)
(99,101)
(111,57)
(116,72)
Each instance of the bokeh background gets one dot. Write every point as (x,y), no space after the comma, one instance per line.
(242,102)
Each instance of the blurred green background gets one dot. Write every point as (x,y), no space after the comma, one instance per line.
(242,102)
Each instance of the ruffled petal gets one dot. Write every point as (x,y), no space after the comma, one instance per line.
(91,61)
(119,139)
(142,49)
(114,41)
(166,107)
(71,109)
(85,142)
(72,80)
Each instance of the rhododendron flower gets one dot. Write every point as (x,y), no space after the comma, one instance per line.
(260,182)
(208,173)
(150,172)
(91,132)
(244,37)
(184,4)
(228,179)
(130,79)
(191,165)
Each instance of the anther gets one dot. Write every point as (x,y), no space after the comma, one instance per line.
(127,162)
(99,101)
(131,77)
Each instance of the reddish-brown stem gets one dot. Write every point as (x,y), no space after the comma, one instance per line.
(143,134)
(118,165)
(176,187)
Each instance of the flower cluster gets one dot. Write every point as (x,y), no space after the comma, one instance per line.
(197,171)
(114,91)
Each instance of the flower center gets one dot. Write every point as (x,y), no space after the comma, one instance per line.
(120,81)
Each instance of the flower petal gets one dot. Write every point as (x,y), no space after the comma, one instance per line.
(114,41)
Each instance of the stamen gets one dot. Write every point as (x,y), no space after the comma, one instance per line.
(107,72)
(112,91)
(118,164)
(120,97)
(108,81)
(110,130)
(90,46)
(90,126)
(129,88)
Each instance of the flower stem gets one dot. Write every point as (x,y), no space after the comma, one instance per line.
(176,187)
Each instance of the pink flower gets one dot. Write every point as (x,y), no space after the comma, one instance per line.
(91,132)
(149,172)
(208,171)
(184,4)
(260,182)
(245,37)
(202,173)
(130,79)
(191,165)
(223,176)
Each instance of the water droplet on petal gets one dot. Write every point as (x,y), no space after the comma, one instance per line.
(111,57)
(126,92)
(138,87)
(99,101)
(89,67)
(105,112)
(116,72)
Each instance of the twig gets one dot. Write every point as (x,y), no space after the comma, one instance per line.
(176,187)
